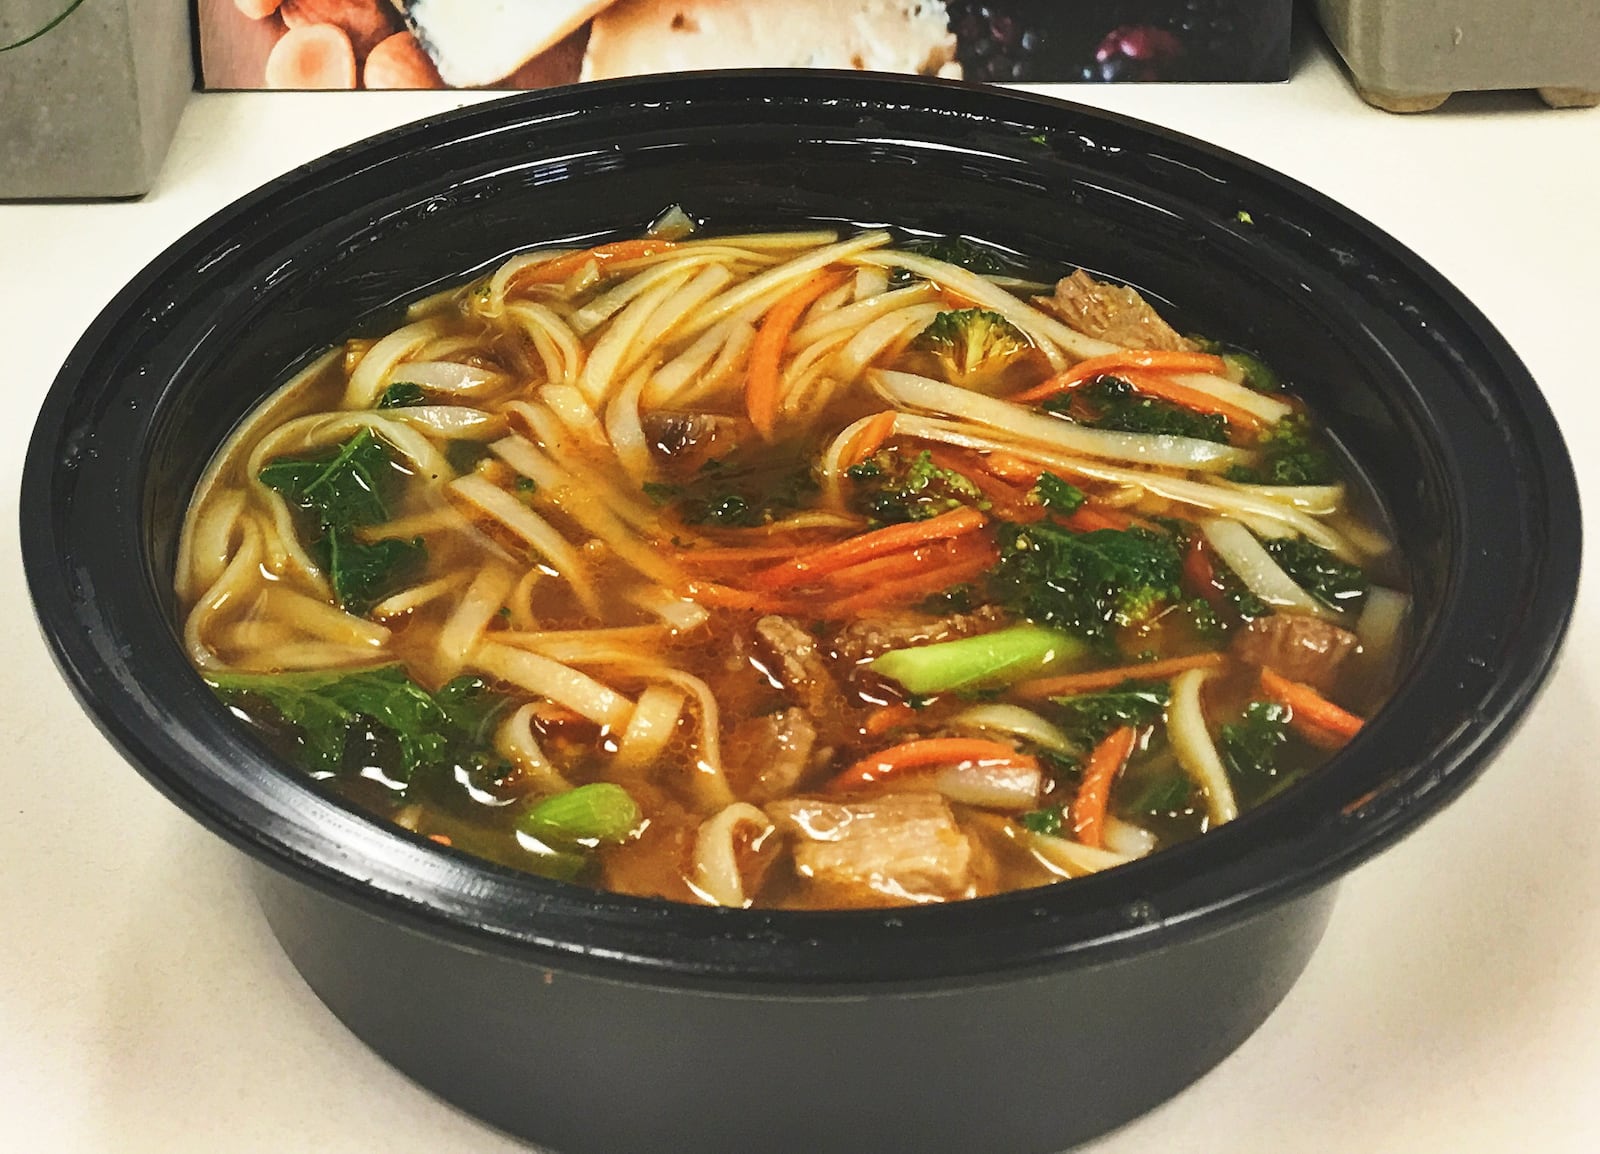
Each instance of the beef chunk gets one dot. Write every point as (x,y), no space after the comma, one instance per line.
(793,659)
(893,850)
(1111,312)
(1297,645)
(775,751)
(869,637)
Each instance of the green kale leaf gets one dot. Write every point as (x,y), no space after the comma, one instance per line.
(1057,495)
(1109,402)
(892,487)
(1319,572)
(1250,747)
(402,395)
(1291,454)
(1088,717)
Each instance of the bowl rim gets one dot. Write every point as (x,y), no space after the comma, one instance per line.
(1316,831)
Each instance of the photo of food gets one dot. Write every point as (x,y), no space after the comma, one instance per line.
(511,44)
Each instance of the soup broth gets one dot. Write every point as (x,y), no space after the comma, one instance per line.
(791,570)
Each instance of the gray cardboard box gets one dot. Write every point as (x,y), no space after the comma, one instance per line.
(1409,55)
(88,108)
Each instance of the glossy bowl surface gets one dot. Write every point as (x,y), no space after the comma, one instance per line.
(1406,373)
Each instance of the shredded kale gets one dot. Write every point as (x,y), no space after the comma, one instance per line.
(1291,454)
(1253,372)
(661,493)
(1319,572)
(1057,495)
(1250,747)
(401,395)
(1167,794)
(463,455)
(1088,717)
(972,342)
(1045,821)
(729,493)
(958,250)
(334,715)
(892,487)
(339,494)
(1085,583)
(1109,402)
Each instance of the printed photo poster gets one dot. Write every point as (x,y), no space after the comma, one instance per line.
(310,44)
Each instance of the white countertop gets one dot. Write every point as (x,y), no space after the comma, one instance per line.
(1454,1005)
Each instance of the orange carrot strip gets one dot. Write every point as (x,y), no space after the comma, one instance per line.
(762,384)
(1070,683)
(1308,708)
(1088,518)
(561,267)
(869,440)
(1013,469)
(909,588)
(1094,792)
(865,546)
(723,597)
(1115,363)
(939,555)
(887,717)
(441,838)
(932,751)
(728,554)
(1166,389)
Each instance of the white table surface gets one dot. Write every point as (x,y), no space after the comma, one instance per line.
(1454,1005)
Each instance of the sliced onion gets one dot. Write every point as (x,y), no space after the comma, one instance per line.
(1018,722)
(673,224)
(1318,500)
(870,282)
(452,422)
(447,376)
(913,392)
(1383,618)
(1253,565)
(1010,788)
(1069,858)
(1131,841)
(1191,742)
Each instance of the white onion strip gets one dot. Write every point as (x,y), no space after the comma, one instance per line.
(1069,859)
(1131,841)
(1263,576)
(447,376)
(1016,721)
(1269,409)
(452,422)
(1191,742)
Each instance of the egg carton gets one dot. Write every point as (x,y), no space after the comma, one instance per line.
(1410,57)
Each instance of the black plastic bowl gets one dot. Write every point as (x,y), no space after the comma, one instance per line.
(589,1021)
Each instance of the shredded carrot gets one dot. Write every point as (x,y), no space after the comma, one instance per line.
(865,546)
(924,754)
(892,716)
(1166,389)
(1094,792)
(1087,518)
(1070,683)
(936,555)
(561,267)
(1312,715)
(735,554)
(441,838)
(912,588)
(1013,469)
(762,385)
(724,597)
(1117,364)
(869,440)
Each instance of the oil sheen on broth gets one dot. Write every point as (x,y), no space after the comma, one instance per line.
(795,570)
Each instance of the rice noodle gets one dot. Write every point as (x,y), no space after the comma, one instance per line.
(442,519)
(570,407)
(537,424)
(321,430)
(872,339)
(673,376)
(586,646)
(414,598)
(625,429)
(598,379)
(459,634)
(730,359)
(650,729)
(367,381)
(870,282)
(706,283)
(521,600)
(1191,742)
(576,501)
(320,619)
(230,587)
(552,338)
(206,545)
(530,529)
(609,303)
(452,422)
(716,862)
(492,303)
(852,318)
(679,613)
(1263,576)
(539,675)
(514,741)
(304,655)
(911,391)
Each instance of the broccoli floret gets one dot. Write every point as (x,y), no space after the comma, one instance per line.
(1057,495)
(972,341)
(1085,583)
(958,250)
(1291,454)
(893,487)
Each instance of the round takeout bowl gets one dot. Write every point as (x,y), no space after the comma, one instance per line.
(593,1022)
